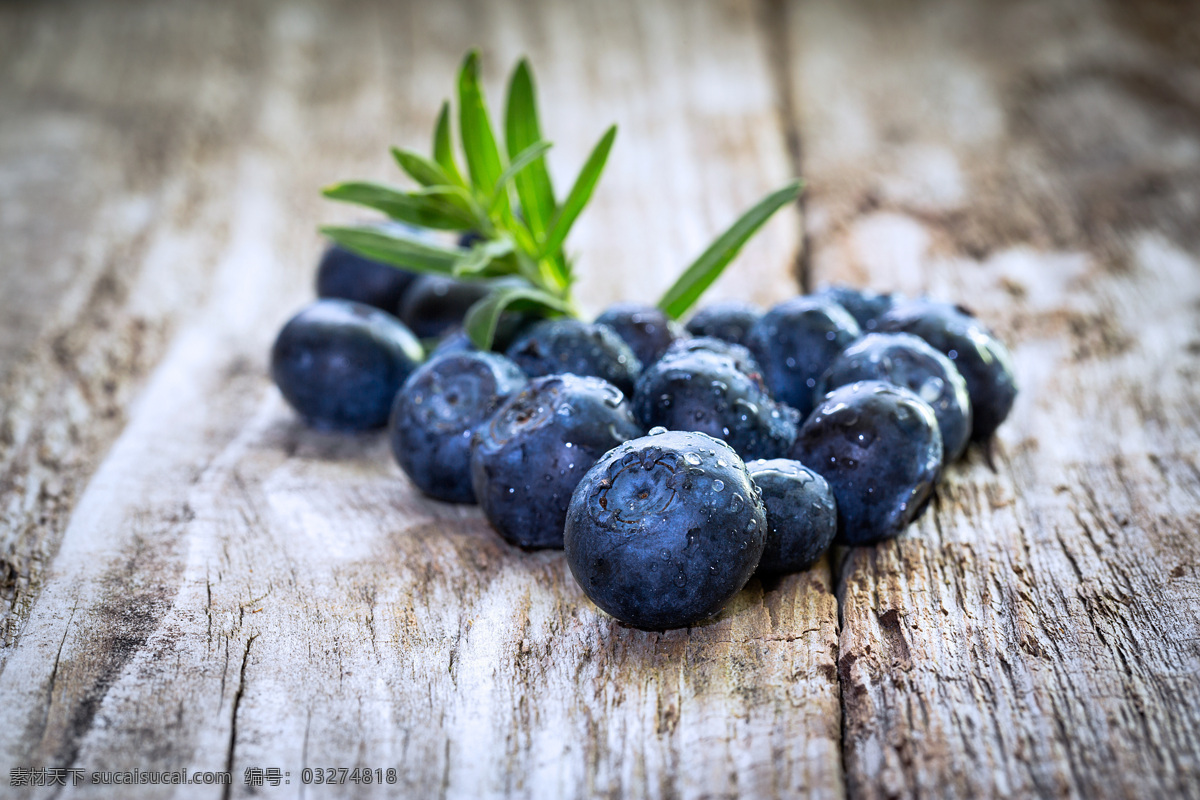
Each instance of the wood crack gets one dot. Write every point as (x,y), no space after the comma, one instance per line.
(237,701)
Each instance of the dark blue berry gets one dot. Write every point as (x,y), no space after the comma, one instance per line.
(801,514)
(455,340)
(742,358)
(340,363)
(646,329)
(569,345)
(879,447)
(665,529)
(865,306)
(982,359)
(527,459)
(434,304)
(694,389)
(349,276)
(729,320)
(795,342)
(437,411)
(909,361)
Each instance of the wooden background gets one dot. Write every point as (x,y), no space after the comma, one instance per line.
(191,579)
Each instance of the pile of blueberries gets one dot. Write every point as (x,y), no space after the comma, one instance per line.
(671,463)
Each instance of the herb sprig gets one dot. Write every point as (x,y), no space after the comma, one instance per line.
(506,199)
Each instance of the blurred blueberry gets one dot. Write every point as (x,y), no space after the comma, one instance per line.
(339,363)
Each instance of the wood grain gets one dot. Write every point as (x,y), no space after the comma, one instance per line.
(1036,633)
(233,590)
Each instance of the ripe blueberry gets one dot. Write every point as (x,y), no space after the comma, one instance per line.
(349,276)
(436,412)
(982,359)
(864,305)
(729,320)
(646,329)
(434,304)
(665,529)
(908,361)
(795,342)
(339,363)
(879,447)
(801,514)
(698,389)
(527,459)
(568,345)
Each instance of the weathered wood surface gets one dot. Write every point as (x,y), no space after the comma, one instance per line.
(193,580)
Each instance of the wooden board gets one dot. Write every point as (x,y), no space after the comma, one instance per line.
(192,580)
(1036,634)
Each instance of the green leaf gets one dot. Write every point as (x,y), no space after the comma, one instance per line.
(397,247)
(482,318)
(475,128)
(462,199)
(414,208)
(421,169)
(579,195)
(521,130)
(522,161)
(477,260)
(705,269)
(443,148)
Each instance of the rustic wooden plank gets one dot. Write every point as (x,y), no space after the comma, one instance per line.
(1036,633)
(233,590)
(108,233)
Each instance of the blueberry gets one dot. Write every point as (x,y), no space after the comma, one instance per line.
(646,329)
(573,346)
(879,447)
(340,363)
(908,361)
(801,514)
(982,359)
(454,340)
(796,341)
(434,304)
(349,276)
(695,389)
(742,358)
(528,458)
(437,411)
(665,529)
(864,305)
(729,320)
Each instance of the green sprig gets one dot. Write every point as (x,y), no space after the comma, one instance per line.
(505,197)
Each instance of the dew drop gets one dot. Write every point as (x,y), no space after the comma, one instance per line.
(657,429)
(692,459)
(718,485)
(931,389)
